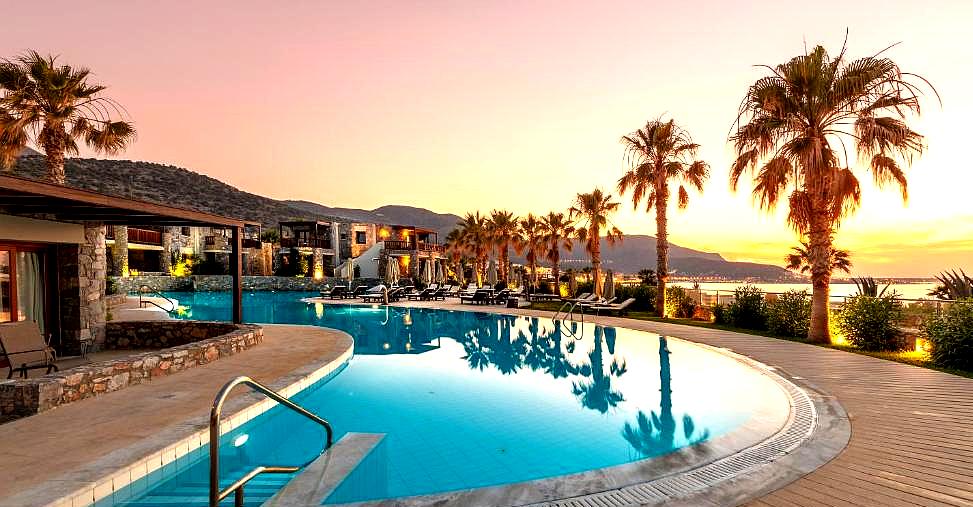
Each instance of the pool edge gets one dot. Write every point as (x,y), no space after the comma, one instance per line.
(58,491)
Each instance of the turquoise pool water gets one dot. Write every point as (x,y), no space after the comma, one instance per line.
(471,399)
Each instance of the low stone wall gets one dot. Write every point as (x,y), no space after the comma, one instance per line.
(160,334)
(125,284)
(25,397)
(216,283)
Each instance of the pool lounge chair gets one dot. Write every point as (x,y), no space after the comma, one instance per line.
(615,309)
(537,297)
(397,293)
(374,295)
(328,292)
(480,297)
(596,302)
(24,348)
(424,295)
(337,292)
(500,297)
(359,292)
(441,293)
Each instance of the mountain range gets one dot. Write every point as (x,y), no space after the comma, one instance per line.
(180,187)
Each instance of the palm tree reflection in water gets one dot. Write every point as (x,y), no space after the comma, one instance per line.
(597,393)
(654,434)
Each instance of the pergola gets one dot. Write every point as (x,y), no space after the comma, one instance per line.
(35,199)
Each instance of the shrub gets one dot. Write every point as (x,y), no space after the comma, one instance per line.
(720,314)
(790,314)
(545,288)
(644,296)
(585,287)
(869,322)
(950,335)
(748,309)
(111,286)
(679,304)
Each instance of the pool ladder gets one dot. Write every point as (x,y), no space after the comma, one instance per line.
(567,312)
(216,495)
(145,289)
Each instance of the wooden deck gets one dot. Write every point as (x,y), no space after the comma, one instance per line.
(912,428)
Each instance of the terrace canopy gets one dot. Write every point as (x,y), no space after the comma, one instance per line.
(35,199)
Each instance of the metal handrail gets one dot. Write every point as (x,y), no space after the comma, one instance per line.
(215,494)
(145,289)
(563,314)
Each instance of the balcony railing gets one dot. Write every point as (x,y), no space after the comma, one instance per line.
(431,247)
(305,243)
(135,235)
(408,245)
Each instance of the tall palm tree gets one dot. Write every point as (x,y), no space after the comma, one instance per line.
(659,153)
(53,106)
(800,259)
(799,122)
(455,251)
(531,242)
(502,230)
(557,230)
(591,212)
(473,236)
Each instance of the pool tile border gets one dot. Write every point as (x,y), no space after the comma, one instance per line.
(93,492)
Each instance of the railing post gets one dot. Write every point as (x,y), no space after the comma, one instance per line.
(236,274)
(238,497)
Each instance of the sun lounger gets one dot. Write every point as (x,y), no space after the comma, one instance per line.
(441,293)
(616,309)
(24,348)
(479,297)
(597,302)
(426,294)
(374,295)
(359,292)
(328,292)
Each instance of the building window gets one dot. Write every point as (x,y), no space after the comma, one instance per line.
(186,231)
(361,237)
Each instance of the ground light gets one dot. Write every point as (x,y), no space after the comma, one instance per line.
(240,440)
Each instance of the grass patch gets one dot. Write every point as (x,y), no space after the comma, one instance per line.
(910,357)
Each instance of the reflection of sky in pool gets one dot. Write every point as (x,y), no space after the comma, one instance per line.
(471,399)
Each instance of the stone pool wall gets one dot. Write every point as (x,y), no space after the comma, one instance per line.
(197,343)
(215,283)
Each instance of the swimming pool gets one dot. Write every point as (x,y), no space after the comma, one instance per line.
(470,400)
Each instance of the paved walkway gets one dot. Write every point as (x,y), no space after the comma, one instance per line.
(912,428)
(69,439)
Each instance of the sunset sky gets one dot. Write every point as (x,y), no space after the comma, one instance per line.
(456,106)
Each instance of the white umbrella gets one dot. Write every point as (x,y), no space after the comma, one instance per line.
(350,269)
(492,273)
(460,275)
(427,271)
(441,271)
(392,270)
(609,289)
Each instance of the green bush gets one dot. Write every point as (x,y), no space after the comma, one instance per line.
(950,335)
(790,314)
(585,287)
(679,304)
(748,309)
(644,296)
(111,286)
(720,314)
(869,323)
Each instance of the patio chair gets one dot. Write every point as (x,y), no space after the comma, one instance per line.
(441,293)
(24,348)
(359,292)
(596,302)
(500,297)
(616,309)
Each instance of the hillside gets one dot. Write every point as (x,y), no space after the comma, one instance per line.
(390,214)
(184,188)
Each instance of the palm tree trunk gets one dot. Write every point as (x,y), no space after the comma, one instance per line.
(52,138)
(596,260)
(661,251)
(504,269)
(820,253)
(556,269)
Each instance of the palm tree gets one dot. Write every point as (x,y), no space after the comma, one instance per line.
(557,230)
(591,211)
(531,242)
(800,259)
(799,121)
(502,230)
(455,251)
(53,106)
(473,236)
(659,153)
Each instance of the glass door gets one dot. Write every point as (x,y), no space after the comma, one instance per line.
(6,287)
(30,287)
